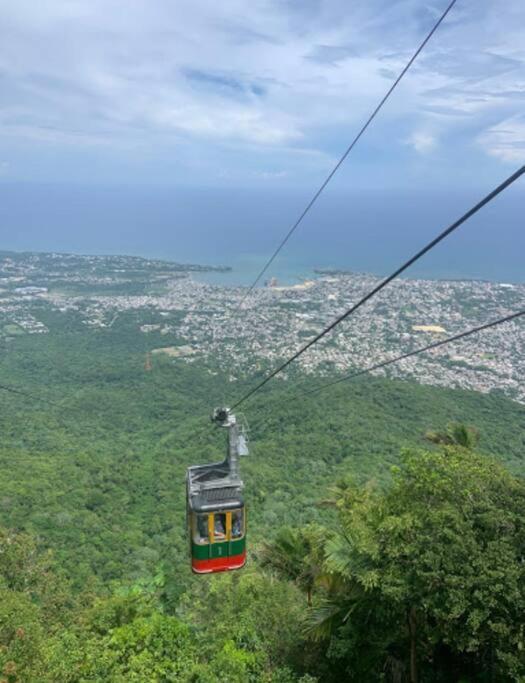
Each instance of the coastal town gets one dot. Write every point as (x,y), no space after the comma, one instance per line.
(188,320)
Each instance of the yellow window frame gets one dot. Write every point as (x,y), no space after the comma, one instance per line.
(242,510)
(228,536)
(211,526)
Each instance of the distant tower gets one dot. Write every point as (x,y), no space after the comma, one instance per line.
(147,365)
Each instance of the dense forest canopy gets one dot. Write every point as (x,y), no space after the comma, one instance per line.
(386,540)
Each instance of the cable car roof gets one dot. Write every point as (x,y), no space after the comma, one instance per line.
(226,498)
(213,487)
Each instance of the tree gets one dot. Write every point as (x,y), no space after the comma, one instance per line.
(252,619)
(296,555)
(428,577)
(456,434)
(33,603)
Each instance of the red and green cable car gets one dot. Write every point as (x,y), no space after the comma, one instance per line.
(215,505)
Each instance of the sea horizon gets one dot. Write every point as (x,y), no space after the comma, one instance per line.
(360,232)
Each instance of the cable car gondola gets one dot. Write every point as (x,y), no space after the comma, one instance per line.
(215,506)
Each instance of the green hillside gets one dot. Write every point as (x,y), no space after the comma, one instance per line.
(94,473)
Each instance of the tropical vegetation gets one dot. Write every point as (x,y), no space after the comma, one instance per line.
(386,525)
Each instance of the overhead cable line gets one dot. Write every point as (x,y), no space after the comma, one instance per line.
(68,408)
(445,233)
(290,398)
(416,352)
(346,153)
(61,409)
(26,394)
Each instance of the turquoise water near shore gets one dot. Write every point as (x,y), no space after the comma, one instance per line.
(245,268)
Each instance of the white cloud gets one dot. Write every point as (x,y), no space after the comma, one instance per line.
(270,175)
(422,141)
(268,74)
(506,140)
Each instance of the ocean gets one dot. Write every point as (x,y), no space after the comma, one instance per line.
(360,232)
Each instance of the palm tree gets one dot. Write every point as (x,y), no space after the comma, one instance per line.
(352,599)
(456,434)
(297,555)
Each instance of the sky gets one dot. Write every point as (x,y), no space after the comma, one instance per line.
(255,97)
(260,92)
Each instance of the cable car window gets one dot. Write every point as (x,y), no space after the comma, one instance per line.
(219,527)
(237,524)
(201,534)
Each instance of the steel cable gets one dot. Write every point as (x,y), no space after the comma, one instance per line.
(441,236)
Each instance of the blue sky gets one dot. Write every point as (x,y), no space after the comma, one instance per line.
(265,93)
